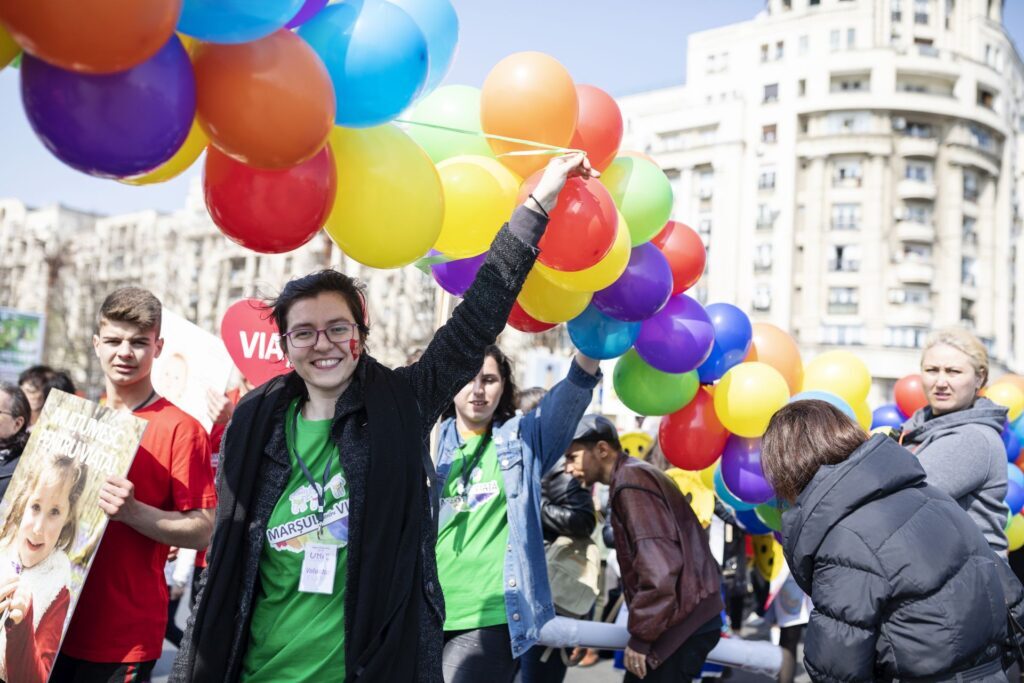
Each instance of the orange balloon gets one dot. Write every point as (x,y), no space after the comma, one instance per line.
(529,96)
(268,103)
(91,36)
(776,348)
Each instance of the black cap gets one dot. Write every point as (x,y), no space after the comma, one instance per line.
(593,428)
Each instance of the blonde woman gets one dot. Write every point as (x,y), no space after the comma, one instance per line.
(956,437)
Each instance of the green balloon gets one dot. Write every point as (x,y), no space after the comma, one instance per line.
(647,391)
(770,515)
(643,194)
(452,106)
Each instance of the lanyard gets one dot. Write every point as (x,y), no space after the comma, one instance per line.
(468,467)
(322,488)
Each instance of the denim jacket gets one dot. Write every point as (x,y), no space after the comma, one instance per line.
(527,447)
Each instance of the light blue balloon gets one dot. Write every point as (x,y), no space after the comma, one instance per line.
(1013,473)
(827,398)
(235,21)
(1018,427)
(600,336)
(440,26)
(725,495)
(376,56)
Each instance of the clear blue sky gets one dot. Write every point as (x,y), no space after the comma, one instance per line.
(621,47)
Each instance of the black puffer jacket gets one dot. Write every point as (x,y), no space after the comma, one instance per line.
(903,583)
(566,508)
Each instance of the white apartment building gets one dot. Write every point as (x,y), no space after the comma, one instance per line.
(854,167)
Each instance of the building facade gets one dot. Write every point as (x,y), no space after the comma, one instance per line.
(854,167)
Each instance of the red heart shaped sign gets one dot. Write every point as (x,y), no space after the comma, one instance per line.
(250,335)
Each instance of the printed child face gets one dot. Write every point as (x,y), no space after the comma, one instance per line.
(46,512)
(477,401)
(174,379)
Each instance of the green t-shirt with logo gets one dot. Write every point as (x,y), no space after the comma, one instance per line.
(298,636)
(471,542)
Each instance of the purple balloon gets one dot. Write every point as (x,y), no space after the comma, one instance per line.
(741,470)
(678,338)
(112,125)
(642,290)
(455,277)
(307,12)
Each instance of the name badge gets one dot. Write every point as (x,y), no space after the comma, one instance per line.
(319,562)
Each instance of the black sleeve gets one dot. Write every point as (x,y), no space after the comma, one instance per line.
(566,507)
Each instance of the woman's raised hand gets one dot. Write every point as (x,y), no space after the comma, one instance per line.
(559,170)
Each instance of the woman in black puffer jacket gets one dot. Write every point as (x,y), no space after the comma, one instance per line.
(904,584)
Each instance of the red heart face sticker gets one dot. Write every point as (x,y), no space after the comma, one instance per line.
(251,338)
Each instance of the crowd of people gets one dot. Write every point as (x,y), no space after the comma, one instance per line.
(341,549)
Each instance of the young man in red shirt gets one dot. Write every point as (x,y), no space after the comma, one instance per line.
(167,499)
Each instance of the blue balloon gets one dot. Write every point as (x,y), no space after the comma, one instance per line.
(1014,473)
(733,333)
(600,336)
(827,398)
(887,416)
(725,495)
(1018,427)
(749,520)
(1011,442)
(235,21)
(376,56)
(440,26)
(1014,497)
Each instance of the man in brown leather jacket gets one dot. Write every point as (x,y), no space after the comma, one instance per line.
(670,579)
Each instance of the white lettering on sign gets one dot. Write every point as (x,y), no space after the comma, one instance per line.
(262,346)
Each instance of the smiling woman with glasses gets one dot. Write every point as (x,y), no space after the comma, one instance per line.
(322,566)
(15,412)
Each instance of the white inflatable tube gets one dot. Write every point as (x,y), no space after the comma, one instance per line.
(750,655)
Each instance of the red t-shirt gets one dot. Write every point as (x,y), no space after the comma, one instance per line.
(121,614)
(216,437)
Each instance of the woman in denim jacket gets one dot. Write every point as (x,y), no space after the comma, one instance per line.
(490,546)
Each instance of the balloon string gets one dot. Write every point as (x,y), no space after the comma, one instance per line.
(542,148)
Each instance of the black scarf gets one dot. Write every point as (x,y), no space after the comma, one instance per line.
(384,631)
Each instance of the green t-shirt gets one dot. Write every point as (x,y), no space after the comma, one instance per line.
(471,542)
(299,636)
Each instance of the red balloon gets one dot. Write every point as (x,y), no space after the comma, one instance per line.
(582,227)
(692,438)
(910,395)
(524,322)
(598,126)
(685,252)
(269,211)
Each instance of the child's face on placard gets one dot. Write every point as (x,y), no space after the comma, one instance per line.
(46,513)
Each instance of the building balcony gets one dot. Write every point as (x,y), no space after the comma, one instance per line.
(914,315)
(915,272)
(917,147)
(916,189)
(910,231)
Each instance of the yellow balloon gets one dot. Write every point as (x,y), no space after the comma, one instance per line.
(479,196)
(841,373)
(747,397)
(186,155)
(707,476)
(768,557)
(1008,396)
(863,412)
(548,303)
(8,48)
(390,205)
(189,43)
(700,498)
(1015,533)
(601,274)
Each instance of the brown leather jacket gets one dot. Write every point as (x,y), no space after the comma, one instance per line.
(671,580)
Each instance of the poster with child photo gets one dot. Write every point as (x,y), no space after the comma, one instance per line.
(51,525)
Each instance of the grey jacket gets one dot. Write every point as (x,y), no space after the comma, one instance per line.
(963,455)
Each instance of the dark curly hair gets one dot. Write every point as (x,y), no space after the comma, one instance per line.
(20,407)
(309,286)
(506,409)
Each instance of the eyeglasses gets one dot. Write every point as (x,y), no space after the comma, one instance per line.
(307,337)
(7,412)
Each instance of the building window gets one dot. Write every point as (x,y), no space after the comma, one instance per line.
(766,179)
(982,139)
(843,335)
(814,3)
(905,337)
(848,122)
(917,253)
(843,300)
(768,133)
(921,13)
(897,11)
(847,173)
(764,52)
(846,216)
(970,232)
(762,298)
(801,87)
(915,295)
(918,213)
(968,271)
(967,313)
(970,186)
(705,184)
(921,171)
(986,98)
(858,83)
(704,225)
(803,45)
(844,258)
(780,50)
(834,38)
(771,92)
(851,38)
(765,217)
(762,258)
(914,129)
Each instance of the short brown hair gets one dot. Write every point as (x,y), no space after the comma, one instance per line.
(132,305)
(802,437)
